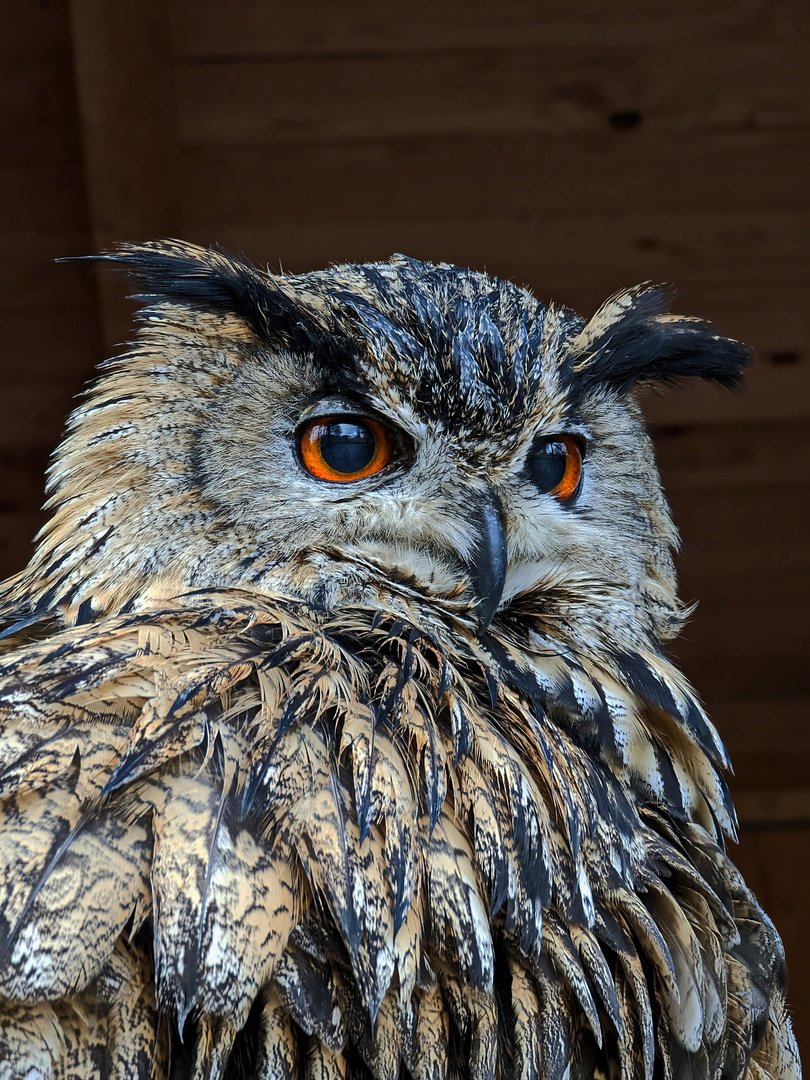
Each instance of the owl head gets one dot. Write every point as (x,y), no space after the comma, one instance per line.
(374,433)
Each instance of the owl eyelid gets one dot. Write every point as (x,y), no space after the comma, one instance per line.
(338,405)
(581,440)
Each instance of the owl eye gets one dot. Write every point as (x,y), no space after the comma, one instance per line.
(554,465)
(344,448)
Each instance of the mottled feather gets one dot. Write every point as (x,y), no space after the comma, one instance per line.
(314,779)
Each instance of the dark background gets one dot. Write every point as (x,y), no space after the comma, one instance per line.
(575,146)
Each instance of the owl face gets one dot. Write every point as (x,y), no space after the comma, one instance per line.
(352,478)
(390,427)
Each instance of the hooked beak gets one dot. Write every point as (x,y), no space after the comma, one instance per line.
(486,566)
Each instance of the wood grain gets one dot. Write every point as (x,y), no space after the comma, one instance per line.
(247,28)
(122,92)
(546,89)
(465,178)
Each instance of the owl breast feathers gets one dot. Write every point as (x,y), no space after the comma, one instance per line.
(336,734)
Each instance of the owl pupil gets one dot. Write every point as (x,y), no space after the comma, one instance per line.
(546,464)
(347,447)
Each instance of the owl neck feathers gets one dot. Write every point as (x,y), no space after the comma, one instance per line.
(624,704)
(439,797)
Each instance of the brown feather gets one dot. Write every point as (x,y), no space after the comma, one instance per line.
(308,778)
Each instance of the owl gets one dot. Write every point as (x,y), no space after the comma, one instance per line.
(337,734)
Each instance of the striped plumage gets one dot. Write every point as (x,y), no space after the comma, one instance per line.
(281,794)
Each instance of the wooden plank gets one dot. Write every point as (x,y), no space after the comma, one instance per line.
(31,277)
(726,670)
(56,344)
(731,456)
(529,183)
(759,525)
(40,140)
(750,611)
(23,492)
(759,809)
(17,531)
(123,94)
(35,413)
(739,495)
(34,32)
(774,392)
(29,187)
(745,560)
(23,469)
(576,261)
(768,740)
(317,27)
(48,312)
(542,90)
(42,181)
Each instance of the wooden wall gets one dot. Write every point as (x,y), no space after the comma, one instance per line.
(574,145)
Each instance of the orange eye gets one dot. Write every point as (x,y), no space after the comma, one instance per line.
(554,465)
(344,448)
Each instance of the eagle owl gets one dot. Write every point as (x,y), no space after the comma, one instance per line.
(337,735)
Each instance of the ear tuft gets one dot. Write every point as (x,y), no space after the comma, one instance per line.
(177,272)
(632,340)
(211,280)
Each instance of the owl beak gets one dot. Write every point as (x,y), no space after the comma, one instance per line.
(486,567)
